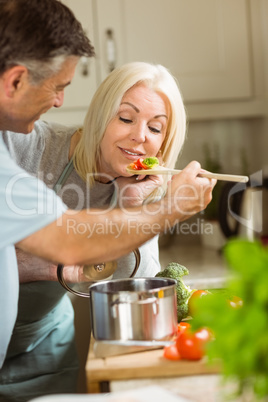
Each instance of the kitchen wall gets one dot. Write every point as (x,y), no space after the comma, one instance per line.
(233,139)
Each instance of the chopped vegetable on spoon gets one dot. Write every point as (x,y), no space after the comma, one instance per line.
(147,163)
(151,162)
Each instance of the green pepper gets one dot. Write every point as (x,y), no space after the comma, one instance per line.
(151,162)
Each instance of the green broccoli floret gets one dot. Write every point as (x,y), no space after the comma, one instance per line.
(151,162)
(182,310)
(176,271)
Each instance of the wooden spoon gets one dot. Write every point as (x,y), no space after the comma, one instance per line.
(163,170)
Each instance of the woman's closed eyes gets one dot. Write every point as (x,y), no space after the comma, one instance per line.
(129,121)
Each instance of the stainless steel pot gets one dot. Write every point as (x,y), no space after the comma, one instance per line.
(133,309)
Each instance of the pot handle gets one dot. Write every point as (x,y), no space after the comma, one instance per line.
(137,254)
(64,284)
(83,294)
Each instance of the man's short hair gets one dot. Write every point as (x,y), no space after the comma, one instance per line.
(39,31)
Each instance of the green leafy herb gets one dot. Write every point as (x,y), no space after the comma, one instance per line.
(241,334)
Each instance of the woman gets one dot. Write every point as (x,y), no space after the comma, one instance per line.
(136,112)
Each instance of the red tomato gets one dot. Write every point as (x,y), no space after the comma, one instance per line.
(195,296)
(133,166)
(140,164)
(171,352)
(191,345)
(182,326)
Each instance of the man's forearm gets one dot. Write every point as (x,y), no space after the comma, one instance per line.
(118,232)
(91,236)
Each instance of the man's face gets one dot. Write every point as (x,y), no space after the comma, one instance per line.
(34,100)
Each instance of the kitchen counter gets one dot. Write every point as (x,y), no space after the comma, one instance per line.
(106,374)
(194,381)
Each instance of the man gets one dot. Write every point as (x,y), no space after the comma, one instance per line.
(40,45)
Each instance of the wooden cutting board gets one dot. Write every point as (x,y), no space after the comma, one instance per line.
(145,364)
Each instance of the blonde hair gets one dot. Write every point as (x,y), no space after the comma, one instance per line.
(106,102)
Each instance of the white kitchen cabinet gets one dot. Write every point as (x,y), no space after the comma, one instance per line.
(206,44)
(212,47)
(78,95)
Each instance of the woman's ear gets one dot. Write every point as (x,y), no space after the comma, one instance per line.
(13,80)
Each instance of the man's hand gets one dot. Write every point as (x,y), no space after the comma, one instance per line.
(133,191)
(189,194)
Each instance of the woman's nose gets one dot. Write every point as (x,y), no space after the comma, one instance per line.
(138,133)
(59,99)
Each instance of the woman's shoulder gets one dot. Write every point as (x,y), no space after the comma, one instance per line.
(22,146)
(55,137)
(54,131)
(42,133)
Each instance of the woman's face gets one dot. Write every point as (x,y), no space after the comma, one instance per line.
(137,131)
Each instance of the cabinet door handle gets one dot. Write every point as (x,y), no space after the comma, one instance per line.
(84,63)
(110,50)
(84,66)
